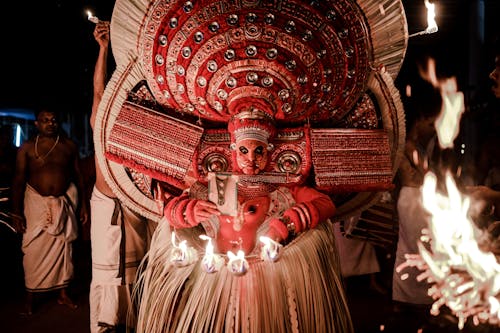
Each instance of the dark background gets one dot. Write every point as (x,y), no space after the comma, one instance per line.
(48,51)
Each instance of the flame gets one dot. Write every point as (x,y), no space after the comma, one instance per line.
(448,122)
(465,278)
(270,250)
(209,249)
(431,15)
(89,14)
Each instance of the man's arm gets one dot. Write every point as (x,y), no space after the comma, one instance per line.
(79,182)
(18,188)
(101,35)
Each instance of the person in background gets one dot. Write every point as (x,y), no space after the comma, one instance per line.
(46,190)
(119,237)
(411,303)
(485,196)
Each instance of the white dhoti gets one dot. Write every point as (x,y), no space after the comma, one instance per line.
(119,240)
(50,229)
(412,219)
(357,257)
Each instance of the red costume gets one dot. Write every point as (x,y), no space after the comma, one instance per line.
(251,116)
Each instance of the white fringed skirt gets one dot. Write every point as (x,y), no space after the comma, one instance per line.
(301,292)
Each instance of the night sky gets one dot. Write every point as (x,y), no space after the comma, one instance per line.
(48,51)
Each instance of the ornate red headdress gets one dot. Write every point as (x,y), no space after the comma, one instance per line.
(320,71)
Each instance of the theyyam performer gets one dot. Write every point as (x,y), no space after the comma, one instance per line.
(246,129)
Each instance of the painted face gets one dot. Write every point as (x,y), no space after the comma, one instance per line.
(46,123)
(251,156)
(495,76)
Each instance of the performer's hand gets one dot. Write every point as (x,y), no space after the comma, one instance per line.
(19,223)
(274,235)
(204,209)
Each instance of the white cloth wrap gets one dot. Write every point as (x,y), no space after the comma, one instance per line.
(50,229)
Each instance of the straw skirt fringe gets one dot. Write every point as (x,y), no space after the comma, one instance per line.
(301,292)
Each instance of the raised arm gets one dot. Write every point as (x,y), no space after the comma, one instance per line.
(101,35)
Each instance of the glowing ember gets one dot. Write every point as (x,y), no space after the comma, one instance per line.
(465,278)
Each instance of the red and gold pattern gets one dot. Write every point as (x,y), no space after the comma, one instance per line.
(301,59)
(312,65)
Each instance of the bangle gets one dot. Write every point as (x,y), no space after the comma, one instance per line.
(290,226)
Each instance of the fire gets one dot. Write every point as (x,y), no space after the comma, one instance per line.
(465,278)
(448,122)
(431,15)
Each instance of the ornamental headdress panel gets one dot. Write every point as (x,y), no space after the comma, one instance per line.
(298,59)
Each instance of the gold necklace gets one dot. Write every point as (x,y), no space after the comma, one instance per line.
(50,150)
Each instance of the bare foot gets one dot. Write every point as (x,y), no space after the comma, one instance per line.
(65,300)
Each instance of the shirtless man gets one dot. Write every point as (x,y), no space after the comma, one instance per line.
(119,241)
(45,193)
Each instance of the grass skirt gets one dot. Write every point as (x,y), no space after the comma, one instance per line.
(301,292)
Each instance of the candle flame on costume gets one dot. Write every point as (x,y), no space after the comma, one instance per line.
(210,262)
(237,263)
(181,254)
(465,277)
(270,250)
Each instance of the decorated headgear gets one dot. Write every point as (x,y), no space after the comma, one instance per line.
(251,124)
(298,60)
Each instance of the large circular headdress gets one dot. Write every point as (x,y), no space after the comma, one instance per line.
(326,64)
(299,60)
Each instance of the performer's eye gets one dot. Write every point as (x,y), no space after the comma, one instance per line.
(243,150)
(252,209)
(259,150)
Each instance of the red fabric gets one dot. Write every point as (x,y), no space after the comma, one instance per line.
(174,210)
(320,201)
(313,213)
(279,227)
(190,217)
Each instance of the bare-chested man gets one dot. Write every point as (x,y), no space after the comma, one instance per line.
(119,241)
(45,192)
